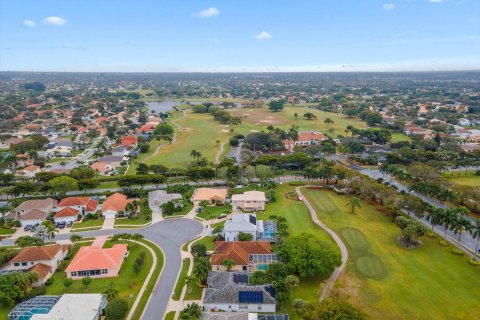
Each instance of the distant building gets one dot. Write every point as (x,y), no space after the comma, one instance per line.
(305,139)
(129,141)
(102,168)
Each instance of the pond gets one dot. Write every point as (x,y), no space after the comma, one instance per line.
(163,106)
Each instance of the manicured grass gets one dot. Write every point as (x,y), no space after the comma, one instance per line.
(469,179)
(88,224)
(212,212)
(299,221)
(196,293)
(397,136)
(208,241)
(198,132)
(136,221)
(108,185)
(141,156)
(170,315)
(181,279)
(388,281)
(186,209)
(4,231)
(153,280)
(128,283)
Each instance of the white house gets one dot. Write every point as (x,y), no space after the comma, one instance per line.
(32,211)
(248,223)
(230,292)
(30,171)
(66,215)
(76,307)
(59,151)
(249,201)
(42,260)
(464,122)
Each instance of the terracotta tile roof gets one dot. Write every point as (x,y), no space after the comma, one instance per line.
(115,202)
(128,140)
(94,257)
(39,253)
(42,269)
(67,212)
(99,166)
(89,203)
(238,251)
(205,194)
(31,168)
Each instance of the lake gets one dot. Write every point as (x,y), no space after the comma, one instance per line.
(163,106)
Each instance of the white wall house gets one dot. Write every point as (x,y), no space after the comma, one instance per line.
(249,201)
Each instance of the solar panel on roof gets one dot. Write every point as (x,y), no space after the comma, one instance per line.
(240,278)
(270,290)
(253,220)
(250,296)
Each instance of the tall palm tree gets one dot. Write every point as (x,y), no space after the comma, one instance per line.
(475,232)
(435,216)
(353,204)
(190,281)
(228,264)
(461,224)
(291,282)
(192,312)
(449,217)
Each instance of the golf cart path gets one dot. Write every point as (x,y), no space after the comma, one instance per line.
(343,249)
(219,153)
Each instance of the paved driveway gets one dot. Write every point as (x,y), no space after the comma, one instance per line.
(170,235)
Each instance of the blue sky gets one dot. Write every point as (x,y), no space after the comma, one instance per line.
(239,35)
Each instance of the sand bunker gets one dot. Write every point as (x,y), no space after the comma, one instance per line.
(254,131)
(224,130)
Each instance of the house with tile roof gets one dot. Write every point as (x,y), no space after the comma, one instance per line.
(85,205)
(114,204)
(42,260)
(66,215)
(29,171)
(230,292)
(305,139)
(213,196)
(102,168)
(129,141)
(97,262)
(33,211)
(238,251)
(249,201)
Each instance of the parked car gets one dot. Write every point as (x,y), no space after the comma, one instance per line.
(69,224)
(223,215)
(27,227)
(62,225)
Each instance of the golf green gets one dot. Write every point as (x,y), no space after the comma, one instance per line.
(371,266)
(355,239)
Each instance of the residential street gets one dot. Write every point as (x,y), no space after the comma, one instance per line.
(169,235)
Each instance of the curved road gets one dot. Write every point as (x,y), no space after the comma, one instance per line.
(169,235)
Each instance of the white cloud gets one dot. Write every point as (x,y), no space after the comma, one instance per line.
(264,35)
(29,23)
(389,6)
(54,21)
(436,1)
(209,13)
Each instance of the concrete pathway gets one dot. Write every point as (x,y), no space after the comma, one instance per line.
(108,223)
(343,249)
(219,153)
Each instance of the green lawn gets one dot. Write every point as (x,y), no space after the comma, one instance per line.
(212,212)
(468,179)
(208,241)
(181,279)
(186,209)
(390,282)
(4,231)
(199,132)
(136,221)
(397,136)
(170,315)
(299,221)
(88,224)
(196,293)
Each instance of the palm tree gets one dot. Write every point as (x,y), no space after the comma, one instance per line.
(190,281)
(228,264)
(291,282)
(191,312)
(448,219)
(353,204)
(195,154)
(51,229)
(111,293)
(461,224)
(435,216)
(475,232)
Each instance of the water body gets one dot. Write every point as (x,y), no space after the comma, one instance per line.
(163,106)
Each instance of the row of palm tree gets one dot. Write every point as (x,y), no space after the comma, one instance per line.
(455,219)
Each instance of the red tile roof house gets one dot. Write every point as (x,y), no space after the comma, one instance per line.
(114,204)
(29,171)
(42,260)
(305,139)
(129,141)
(239,252)
(97,262)
(66,215)
(33,211)
(102,168)
(84,205)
